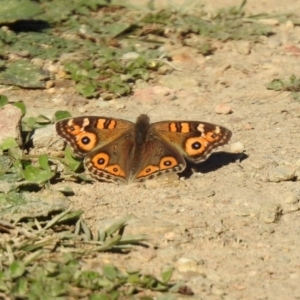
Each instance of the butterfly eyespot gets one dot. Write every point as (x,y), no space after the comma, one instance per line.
(85,140)
(148,171)
(115,170)
(196,145)
(100,161)
(167,163)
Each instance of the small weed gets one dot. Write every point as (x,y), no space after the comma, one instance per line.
(44,259)
(95,36)
(34,169)
(291,85)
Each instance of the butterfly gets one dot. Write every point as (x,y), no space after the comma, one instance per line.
(117,150)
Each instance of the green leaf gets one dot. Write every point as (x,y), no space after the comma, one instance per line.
(15,152)
(98,296)
(110,271)
(9,143)
(276,85)
(66,190)
(22,107)
(5,164)
(30,122)
(23,73)
(18,165)
(117,226)
(44,162)
(167,274)
(35,174)
(72,162)
(296,96)
(20,289)
(86,90)
(18,10)
(62,114)
(17,269)
(3,100)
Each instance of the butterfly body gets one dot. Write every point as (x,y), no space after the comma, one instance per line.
(122,151)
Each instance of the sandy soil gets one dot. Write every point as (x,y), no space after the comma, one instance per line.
(230,230)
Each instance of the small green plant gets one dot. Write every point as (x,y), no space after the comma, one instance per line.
(44,261)
(291,85)
(94,52)
(35,169)
(114,76)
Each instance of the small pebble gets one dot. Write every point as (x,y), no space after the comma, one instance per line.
(292,198)
(217,291)
(51,90)
(279,174)
(130,55)
(289,24)
(13,56)
(61,73)
(58,99)
(248,126)
(243,47)
(170,236)
(49,84)
(185,264)
(270,213)
(38,62)
(81,109)
(52,68)
(164,70)
(106,96)
(223,109)
(237,147)
(290,202)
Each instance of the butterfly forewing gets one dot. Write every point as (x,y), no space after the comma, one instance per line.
(85,134)
(196,140)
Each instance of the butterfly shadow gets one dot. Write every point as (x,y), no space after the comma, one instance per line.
(216,161)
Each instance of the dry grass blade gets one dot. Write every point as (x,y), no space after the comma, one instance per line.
(9,253)
(109,244)
(56,219)
(32,257)
(35,261)
(38,225)
(47,242)
(117,226)
(87,234)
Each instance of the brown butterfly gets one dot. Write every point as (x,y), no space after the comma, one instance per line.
(119,150)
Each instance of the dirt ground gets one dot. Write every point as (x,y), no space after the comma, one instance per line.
(230,230)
